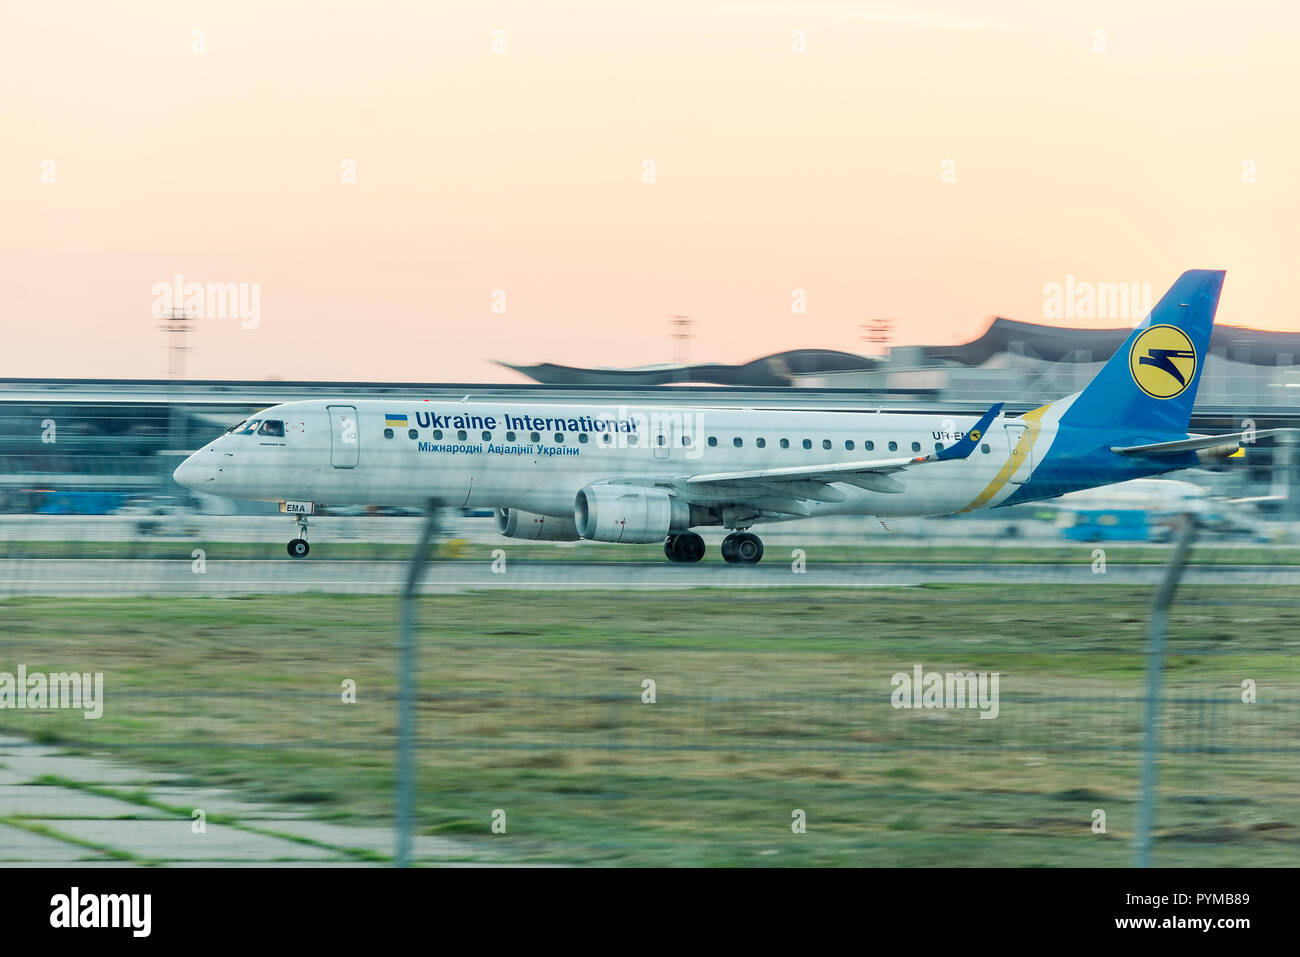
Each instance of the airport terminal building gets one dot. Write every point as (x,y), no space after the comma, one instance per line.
(1016,361)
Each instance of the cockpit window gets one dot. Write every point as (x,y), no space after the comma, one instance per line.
(249,427)
(238,425)
(273,427)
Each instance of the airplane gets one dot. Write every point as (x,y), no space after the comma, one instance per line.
(1162,496)
(646,474)
(1159,498)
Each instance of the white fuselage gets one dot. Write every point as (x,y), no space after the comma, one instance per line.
(516,455)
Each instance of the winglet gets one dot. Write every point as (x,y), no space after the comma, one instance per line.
(963,448)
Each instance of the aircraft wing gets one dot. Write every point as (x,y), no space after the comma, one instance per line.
(869,473)
(1196,442)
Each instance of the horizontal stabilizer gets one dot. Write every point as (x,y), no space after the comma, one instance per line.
(1198,442)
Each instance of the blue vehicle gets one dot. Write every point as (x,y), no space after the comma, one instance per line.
(1109,525)
(80,503)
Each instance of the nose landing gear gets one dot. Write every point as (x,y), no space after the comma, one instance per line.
(298,548)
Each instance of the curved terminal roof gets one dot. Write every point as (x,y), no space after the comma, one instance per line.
(1048,343)
(775,370)
(1058,344)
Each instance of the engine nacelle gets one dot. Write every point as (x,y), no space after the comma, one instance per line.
(512,523)
(628,514)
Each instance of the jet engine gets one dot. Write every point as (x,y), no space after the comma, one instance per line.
(512,523)
(628,514)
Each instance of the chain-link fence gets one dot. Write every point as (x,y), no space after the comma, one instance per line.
(950,691)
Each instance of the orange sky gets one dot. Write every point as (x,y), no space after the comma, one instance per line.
(522,171)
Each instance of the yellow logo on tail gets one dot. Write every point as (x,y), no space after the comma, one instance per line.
(1162,362)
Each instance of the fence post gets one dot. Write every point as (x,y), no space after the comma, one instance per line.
(407,664)
(1186,525)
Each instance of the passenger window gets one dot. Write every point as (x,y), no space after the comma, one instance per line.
(582,437)
(985,448)
(388,433)
(607,438)
(938,446)
(893,446)
(663,439)
(411,433)
(737,441)
(807,443)
(785,443)
(437,433)
(631,438)
(826,444)
(462,435)
(761,443)
(487,436)
(686,441)
(510,436)
(534,437)
(713,441)
(916,446)
(848,444)
(559,436)
(868,445)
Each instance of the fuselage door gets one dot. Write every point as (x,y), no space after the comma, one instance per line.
(345,448)
(1022,452)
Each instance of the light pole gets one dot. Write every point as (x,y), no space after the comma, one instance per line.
(680,332)
(877,331)
(176,323)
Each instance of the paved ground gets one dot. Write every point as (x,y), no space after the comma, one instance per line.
(99,577)
(147,819)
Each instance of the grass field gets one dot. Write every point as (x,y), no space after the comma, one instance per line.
(766,702)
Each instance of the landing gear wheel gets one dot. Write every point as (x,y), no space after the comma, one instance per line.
(690,547)
(298,548)
(684,547)
(749,549)
(742,548)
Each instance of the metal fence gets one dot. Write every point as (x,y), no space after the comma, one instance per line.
(543,704)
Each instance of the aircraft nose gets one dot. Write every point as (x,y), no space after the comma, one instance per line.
(183,473)
(187,473)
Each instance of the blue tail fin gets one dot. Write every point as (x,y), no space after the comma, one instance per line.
(1150,384)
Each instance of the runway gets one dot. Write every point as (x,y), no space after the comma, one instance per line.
(182,579)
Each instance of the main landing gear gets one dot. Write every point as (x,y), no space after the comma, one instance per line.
(742,548)
(738,548)
(298,548)
(684,547)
